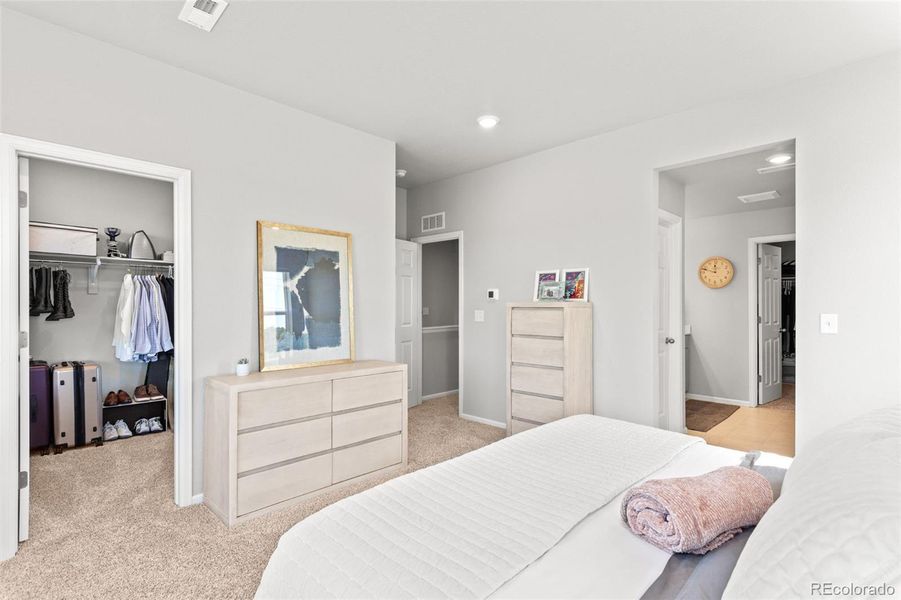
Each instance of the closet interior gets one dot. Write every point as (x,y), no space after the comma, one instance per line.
(101,304)
(789,288)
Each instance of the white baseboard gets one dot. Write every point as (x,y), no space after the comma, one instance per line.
(483,421)
(717,399)
(197,499)
(438,395)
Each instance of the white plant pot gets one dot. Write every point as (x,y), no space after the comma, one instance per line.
(242,370)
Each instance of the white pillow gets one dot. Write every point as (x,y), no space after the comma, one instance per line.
(837,523)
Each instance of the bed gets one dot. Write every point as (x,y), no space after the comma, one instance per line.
(536,515)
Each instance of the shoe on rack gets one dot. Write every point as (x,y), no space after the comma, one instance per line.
(141,394)
(142,426)
(122,429)
(111,400)
(124,398)
(154,392)
(156,424)
(109,432)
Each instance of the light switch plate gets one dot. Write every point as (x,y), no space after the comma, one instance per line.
(828,323)
(493,294)
(425,311)
(480,316)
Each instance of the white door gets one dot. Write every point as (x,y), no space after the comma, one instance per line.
(769,323)
(408,320)
(664,340)
(24,376)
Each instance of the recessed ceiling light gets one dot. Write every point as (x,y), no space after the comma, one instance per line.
(400,173)
(761,197)
(488,121)
(780,158)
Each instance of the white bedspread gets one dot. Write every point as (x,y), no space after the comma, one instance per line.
(463,528)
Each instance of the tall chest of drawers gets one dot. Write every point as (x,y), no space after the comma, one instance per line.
(273,439)
(549,362)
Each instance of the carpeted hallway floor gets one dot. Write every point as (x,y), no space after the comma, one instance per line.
(103,524)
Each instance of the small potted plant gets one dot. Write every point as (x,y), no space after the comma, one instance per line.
(242,368)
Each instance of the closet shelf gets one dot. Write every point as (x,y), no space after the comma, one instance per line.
(135,403)
(93,263)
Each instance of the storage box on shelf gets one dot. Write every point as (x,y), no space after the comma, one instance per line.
(549,362)
(273,439)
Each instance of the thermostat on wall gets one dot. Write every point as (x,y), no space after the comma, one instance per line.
(493,294)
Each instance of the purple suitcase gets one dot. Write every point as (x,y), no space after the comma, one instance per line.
(41,407)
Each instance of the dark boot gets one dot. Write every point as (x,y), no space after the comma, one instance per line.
(58,311)
(42,282)
(68,311)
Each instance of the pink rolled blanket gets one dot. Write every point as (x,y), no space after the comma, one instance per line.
(697,514)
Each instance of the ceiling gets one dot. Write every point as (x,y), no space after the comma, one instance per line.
(712,187)
(419,73)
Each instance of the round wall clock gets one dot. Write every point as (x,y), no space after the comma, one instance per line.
(716,272)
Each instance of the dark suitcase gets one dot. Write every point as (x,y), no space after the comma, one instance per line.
(77,409)
(40,407)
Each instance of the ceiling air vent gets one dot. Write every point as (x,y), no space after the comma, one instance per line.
(433,222)
(761,197)
(202,14)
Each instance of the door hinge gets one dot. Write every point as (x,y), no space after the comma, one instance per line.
(759,260)
(759,320)
(23,199)
(23,339)
(760,379)
(23,480)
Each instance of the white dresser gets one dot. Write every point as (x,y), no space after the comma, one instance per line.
(276,438)
(549,362)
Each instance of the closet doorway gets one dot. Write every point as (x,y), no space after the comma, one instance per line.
(441,299)
(61,295)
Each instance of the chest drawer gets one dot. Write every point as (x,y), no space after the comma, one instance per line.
(277,404)
(365,458)
(283,483)
(536,408)
(537,321)
(537,380)
(353,392)
(537,351)
(276,444)
(359,425)
(518,426)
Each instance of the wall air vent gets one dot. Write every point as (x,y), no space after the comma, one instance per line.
(433,222)
(775,169)
(761,197)
(202,14)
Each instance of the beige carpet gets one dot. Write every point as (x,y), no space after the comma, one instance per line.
(103,524)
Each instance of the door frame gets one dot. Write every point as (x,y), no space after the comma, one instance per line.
(11,422)
(431,239)
(676,358)
(753,333)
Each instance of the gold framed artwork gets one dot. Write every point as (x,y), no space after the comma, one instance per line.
(304,296)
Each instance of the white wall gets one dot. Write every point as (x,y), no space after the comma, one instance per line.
(672,195)
(251,159)
(80,196)
(716,358)
(593,203)
(400,213)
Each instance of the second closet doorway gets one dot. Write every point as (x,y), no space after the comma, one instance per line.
(441,299)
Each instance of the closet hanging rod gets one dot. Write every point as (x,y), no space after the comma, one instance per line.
(88,261)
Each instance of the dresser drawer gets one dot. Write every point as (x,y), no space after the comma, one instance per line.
(283,483)
(537,351)
(353,392)
(359,425)
(275,444)
(274,405)
(365,458)
(518,426)
(537,380)
(535,408)
(537,321)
